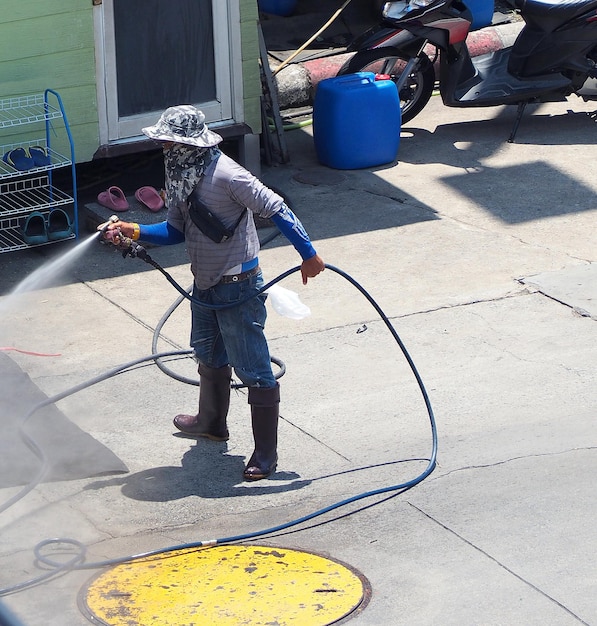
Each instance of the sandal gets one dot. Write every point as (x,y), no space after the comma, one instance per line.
(150,198)
(59,225)
(40,156)
(35,230)
(114,199)
(19,160)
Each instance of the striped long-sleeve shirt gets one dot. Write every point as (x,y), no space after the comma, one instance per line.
(227,189)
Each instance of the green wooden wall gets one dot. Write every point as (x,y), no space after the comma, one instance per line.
(249,17)
(50,44)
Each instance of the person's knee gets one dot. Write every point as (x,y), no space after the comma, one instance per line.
(251,379)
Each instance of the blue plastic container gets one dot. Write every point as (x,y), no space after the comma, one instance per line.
(278,7)
(356,121)
(482,11)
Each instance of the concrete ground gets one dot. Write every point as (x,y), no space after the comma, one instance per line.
(483,255)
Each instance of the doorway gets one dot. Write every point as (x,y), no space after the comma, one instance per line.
(159,53)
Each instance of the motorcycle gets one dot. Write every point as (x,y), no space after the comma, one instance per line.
(553,56)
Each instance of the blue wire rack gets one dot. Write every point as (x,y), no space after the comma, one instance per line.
(25,191)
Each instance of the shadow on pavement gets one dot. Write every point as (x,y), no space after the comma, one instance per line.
(206,471)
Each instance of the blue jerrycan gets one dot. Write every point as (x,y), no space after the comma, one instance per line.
(356,121)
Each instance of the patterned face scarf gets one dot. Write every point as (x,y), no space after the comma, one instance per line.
(185,165)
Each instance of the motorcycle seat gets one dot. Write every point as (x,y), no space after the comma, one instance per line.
(547,15)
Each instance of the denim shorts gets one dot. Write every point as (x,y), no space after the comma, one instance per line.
(233,335)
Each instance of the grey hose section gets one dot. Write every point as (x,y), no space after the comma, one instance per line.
(158,329)
(185,379)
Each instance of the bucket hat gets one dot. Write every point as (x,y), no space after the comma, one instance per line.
(183,124)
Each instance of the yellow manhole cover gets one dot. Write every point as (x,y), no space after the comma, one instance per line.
(235,585)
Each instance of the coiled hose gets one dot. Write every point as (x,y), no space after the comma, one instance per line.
(77,562)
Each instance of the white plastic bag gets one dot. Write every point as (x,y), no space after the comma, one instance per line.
(287,303)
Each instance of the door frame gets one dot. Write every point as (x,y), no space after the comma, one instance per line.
(226,108)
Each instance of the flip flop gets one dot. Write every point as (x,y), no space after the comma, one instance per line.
(40,156)
(19,160)
(113,198)
(150,198)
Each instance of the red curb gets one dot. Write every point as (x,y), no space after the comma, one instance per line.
(319,69)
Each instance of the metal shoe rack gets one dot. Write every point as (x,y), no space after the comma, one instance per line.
(23,192)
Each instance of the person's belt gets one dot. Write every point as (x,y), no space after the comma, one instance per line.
(234,278)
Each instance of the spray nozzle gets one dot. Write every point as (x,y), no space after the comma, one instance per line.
(122,242)
(102,228)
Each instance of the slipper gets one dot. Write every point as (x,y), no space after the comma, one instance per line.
(114,199)
(18,159)
(59,225)
(35,230)
(40,156)
(150,198)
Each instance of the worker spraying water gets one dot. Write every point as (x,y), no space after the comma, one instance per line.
(211,201)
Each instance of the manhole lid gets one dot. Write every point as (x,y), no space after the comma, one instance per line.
(220,585)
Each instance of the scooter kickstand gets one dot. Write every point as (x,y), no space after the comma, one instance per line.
(521,108)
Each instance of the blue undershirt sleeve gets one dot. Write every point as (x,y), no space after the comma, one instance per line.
(160,234)
(290,226)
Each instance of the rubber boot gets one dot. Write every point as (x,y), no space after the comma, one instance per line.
(214,402)
(265,407)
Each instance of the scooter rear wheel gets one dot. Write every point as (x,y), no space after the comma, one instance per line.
(417,90)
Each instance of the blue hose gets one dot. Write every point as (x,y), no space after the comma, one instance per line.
(77,562)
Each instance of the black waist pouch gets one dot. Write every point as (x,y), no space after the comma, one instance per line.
(208,223)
